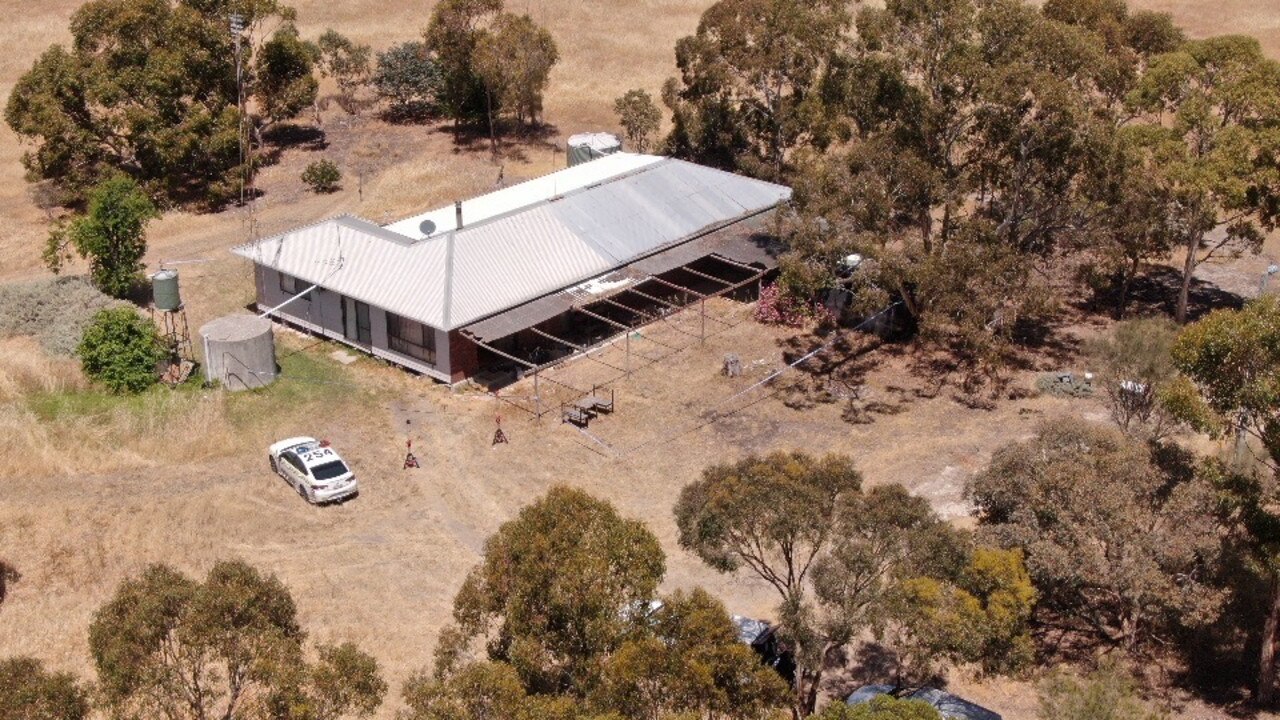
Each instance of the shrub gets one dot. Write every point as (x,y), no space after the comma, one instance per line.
(778,305)
(111,235)
(55,311)
(1137,367)
(29,692)
(1107,693)
(640,118)
(408,78)
(322,176)
(120,349)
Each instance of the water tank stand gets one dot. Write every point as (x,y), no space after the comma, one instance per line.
(175,335)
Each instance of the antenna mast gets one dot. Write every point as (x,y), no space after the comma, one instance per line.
(237,24)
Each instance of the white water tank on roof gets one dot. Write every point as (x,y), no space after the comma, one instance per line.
(239,352)
(589,146)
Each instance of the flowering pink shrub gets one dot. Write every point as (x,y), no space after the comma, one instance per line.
(777,306)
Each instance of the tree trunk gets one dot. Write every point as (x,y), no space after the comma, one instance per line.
(1188,271)
(1126,284)
(1267,662)
(493,135)
(806,692)
(926,230)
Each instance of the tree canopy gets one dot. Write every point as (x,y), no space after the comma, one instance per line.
(1230,384)
(566,602)
(1213,109)
(639,117)
(455,29)
(409,79)
(845,562)
(29,692)
(560,586)
(748,94)
(149,88)
(773,514)
(231,646)
(881,707)
(1120,541)
(513,60)
(689,660)
(111,235)
(348,63)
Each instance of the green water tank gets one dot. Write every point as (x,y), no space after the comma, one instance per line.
(164,290)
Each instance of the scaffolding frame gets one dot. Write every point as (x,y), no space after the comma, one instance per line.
(626,330)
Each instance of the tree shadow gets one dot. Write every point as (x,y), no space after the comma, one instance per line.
(410,113)
(1155,292)
(8,574)
(514,140)
(872,663)
(835,372)
(291,136)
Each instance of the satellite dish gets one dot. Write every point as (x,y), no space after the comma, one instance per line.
(426,228)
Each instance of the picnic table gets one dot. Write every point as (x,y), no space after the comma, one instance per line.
(582,410)
(594,404)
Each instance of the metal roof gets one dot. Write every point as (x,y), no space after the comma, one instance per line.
(742,242)
(521,195)
(513,257)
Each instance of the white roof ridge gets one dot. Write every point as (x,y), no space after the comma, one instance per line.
(508,199)
(362,224)
(558,196)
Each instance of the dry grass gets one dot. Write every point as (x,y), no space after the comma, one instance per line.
(95,489)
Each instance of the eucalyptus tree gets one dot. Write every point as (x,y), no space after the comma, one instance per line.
(975,130)
(845,562)
(1122,548)
(1211,112)
(749,92)
(1230,365)
(150,88)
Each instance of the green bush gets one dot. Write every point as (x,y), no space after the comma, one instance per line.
(409,79)
(28,691)
(120,349)
(322,176)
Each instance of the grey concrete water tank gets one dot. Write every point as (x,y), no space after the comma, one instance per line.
(239,352)
(164,290)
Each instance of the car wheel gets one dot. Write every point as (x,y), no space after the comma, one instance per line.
(302,491)
(272,461)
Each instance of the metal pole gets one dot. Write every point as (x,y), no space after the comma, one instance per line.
(537,396)
(628,344)
(702,309)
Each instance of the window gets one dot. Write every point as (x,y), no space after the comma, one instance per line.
(411,338)
(295,462)
(288,284)
(329,470)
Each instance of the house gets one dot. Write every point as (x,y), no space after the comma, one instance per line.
(524,276)
(950,707)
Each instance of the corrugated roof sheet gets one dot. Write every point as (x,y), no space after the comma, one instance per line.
(465,275)
(521,195)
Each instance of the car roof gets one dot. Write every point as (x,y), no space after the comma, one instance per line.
(292,442)
(314,454)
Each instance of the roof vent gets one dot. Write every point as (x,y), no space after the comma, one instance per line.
(457,211)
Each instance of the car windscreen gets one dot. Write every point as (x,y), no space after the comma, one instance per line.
(329,470)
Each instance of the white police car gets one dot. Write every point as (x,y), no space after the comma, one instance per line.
(313,468)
